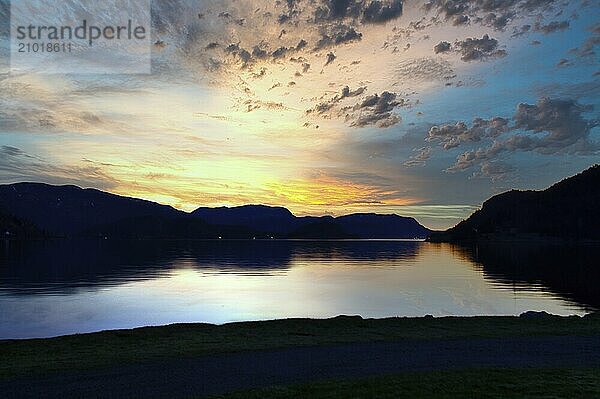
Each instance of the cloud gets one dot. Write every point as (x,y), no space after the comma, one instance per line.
(496,14)
(380,12)
(452,136)
(588,48)
(18,165)
(336,35)
(426,69)
(330,58)
(495,171)
(422,156)
(329,104)
(473,49)
(374,110)
(377,110)
(551,126)
(552,27)
(562,120)
(563,63)
(370,12)
(442,47)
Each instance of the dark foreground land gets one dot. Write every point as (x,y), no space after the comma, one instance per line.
(338,358)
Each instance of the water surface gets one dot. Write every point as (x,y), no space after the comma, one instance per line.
(64,287)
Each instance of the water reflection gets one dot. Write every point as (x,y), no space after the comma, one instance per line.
(53,288)
(59,267)
(570,271)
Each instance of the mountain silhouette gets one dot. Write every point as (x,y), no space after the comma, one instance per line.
(280,221)
(70,210)
(567,210)
(36,209)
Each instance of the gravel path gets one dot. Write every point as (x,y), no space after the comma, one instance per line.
(225,373)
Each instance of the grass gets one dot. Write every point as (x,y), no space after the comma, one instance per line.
(482,383)
(80,352)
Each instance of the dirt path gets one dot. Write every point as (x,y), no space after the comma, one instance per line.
(226,373)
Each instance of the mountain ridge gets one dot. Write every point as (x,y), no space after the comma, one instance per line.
(71,211)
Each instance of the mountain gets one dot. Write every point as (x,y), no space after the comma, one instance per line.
(70,211)
(567,210)
(263,218)
(282,223)
(368,225)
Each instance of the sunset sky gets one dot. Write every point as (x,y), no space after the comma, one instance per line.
(421,108)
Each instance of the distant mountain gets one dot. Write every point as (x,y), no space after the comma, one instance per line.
(567,210)
(70,211)
(263,218)
(368,225)
(322,229)
(282,223)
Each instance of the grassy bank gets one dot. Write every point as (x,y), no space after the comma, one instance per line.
(481,383)
(104,349)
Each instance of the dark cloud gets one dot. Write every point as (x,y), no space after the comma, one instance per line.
(376,110)
(461,20)
(562,120)
(451,136)
(551,126)
(497,21)
(345,93)
(236,50)
(336,35)
(330,58)
(375,12)
(261,52)
(379,12)
(281,52)
(301,45)
(258,52)
(473,49)
(442,47)
(496,14)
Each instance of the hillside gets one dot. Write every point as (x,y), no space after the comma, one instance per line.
(567,210)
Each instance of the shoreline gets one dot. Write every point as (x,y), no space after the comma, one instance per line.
(247,323)
(312,358)
(20,358)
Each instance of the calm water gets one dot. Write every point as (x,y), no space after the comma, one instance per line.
(55,288)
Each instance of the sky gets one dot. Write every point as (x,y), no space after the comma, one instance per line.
(420,108)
